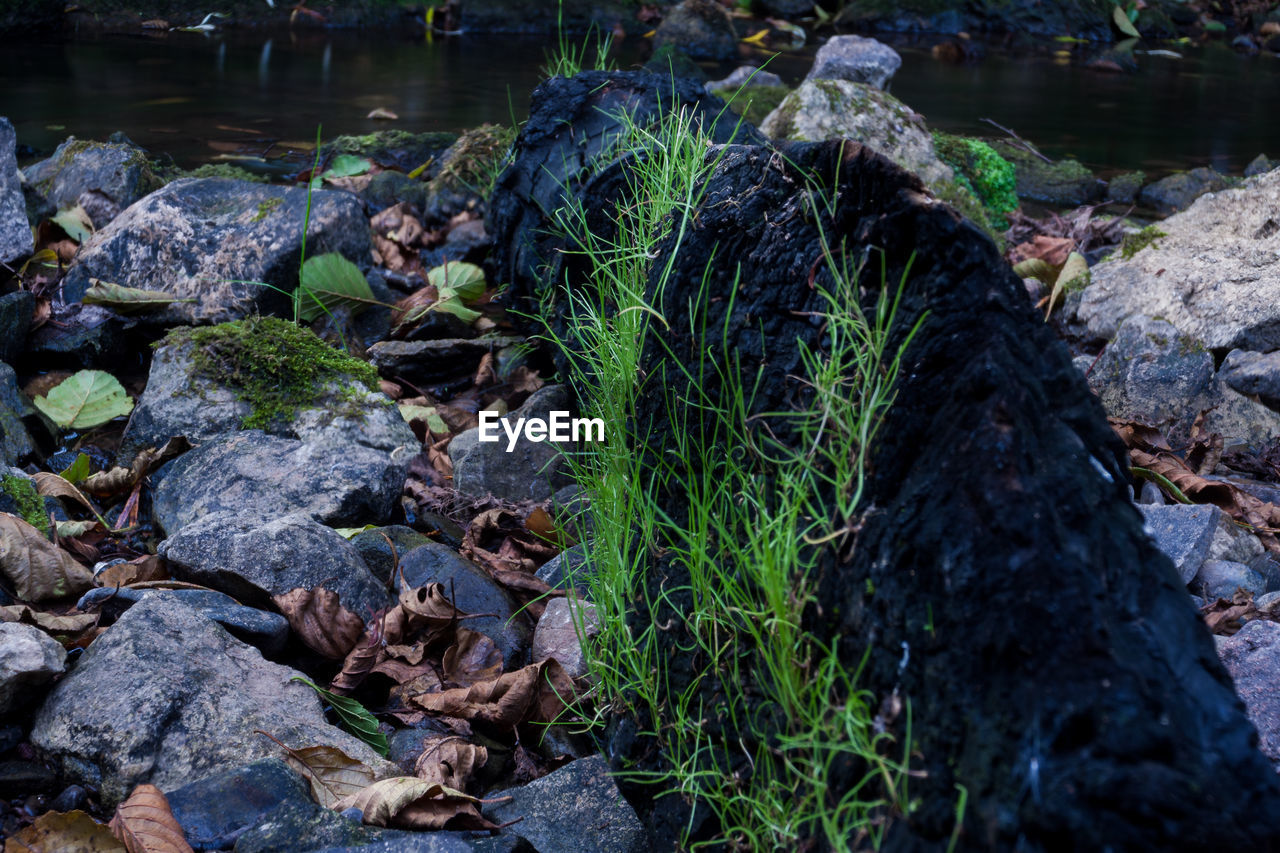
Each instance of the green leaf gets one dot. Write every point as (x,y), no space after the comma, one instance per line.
(127,300)
(1074,276)
(77,470)
(347,166)
(452,305)
(1215,27)
(328,281)
(427,414)
(1122,22)
(353,717)
(349,532)
(75,222)
(457,278)
(85,399)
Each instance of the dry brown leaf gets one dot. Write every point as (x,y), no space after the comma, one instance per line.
(70,624)
(408,311)
(38,569)
(538,693)
(486,372)
(449,760)
(402,672)
(1052,250)
(1227,617)
(120,480)
(332,773)
(525,381)
(52,485)
(146,825)
(471,659)
(431,606)
(407,802)
(64,832)
(319,619)
(148,568)
(358,663)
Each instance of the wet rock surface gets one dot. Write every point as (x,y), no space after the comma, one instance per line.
(1252,656)
(702,29)
(29,658)
(16,443)
(195,237)
(529,470)
(1177,192)
(857,59)
(215,811)
(267,631)
(1191,535)
(15,232)
(16,310)
(129,714)
(106,176)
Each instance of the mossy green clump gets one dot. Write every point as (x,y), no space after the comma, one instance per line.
(988,175)
(475,160)
(1132,244)
(266,207)
(275,366)
(27,501)
(961,196)
(220,170)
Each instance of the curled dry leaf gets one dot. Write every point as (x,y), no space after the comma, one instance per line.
(538,693)
(472,658)
(331,772)
(146,825)
(145,569)
(119,480)
(318,617)
(449,760)
(38,569)
(430,606)
(359,662)
(55,486)
(71,624)
(64,832)
(407,802)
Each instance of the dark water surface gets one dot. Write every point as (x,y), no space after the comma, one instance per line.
(194,96)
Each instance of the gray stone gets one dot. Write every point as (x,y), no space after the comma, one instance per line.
(1184,532)
(15,232)
(702,29)
(1259,165)
(577,807)
(1253,373)
(531,471)
(1215,275)
(1252,656)
(381,555)
(1176,192)
(215,811)
(16,444)
(168,697)
(1151,372)
(80,336)
(267,631)
(16,310)
(1064,182)
(566,570)
(437,842)
(856,59)
(197,236)
(432,361)
(1221,579)
(177,401)
(472,591)
(1123,189)
(299,825)
(117,171)
(260,477)
(29,658)
(254,561)
(744,76)
(558,633)
(834,109)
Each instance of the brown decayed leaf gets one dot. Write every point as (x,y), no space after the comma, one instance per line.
(1227,617)
(358,663)
(525,381)
(411,309)
(146,825)
(431,605)
(403,672)
(407,802)
(319,619)
(120,480)
(331,772)
(532,694)
(38,569)
(64,832)
(70,624)
(471,659)
(54,486)
(449,760)
(144,569)
(1051,250)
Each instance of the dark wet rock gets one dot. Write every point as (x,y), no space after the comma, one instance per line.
(1268,568)
(16,310)
(82,336)
(195,236)
(117,172)
(215,811)
(382,547)
(1124,188)
(391,149)
(1213,271)
(857,59)
(839,109)
(260,477)
(1192,534)
(743,77)
(531,470)
(20,17)
(1177,192)
(71,797)
(788,10)
(567,570)
(570,121)
(389,188)
(99,207)
(253,561)
(180,400)
(472,591)
(1252,656)
(1154,374)
(577,807)
(267,631)
(565,623)
(15,231)
(16,444)
(429,362)
(29,659)
(1259,165)
(702,29)
(1065,182)
(1222,578)
(467,173)
(23,778)
(168,697)
(391,841)
(1253,373)
(298,825)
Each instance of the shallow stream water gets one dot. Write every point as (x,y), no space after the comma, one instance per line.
(199,97)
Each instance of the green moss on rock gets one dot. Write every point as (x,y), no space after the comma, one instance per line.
(276,367)
(29,504)
(220,170)
(978,167)
(1133,243)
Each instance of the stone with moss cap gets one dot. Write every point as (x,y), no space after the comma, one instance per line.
(18,497)
(119,170)
(982,171)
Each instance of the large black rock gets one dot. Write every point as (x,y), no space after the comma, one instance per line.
(1051,660)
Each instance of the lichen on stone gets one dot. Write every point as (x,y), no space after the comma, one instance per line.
(28,502)
(273,365)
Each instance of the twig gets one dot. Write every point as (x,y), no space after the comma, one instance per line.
(1024,144)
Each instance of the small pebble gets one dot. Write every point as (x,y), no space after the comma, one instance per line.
(353,813)
(72,797)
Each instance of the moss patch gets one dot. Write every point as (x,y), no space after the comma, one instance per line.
(273,365)
(1132,244)
(265,208)
(220,170)
(28,502)
(961,196)
(978,167)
